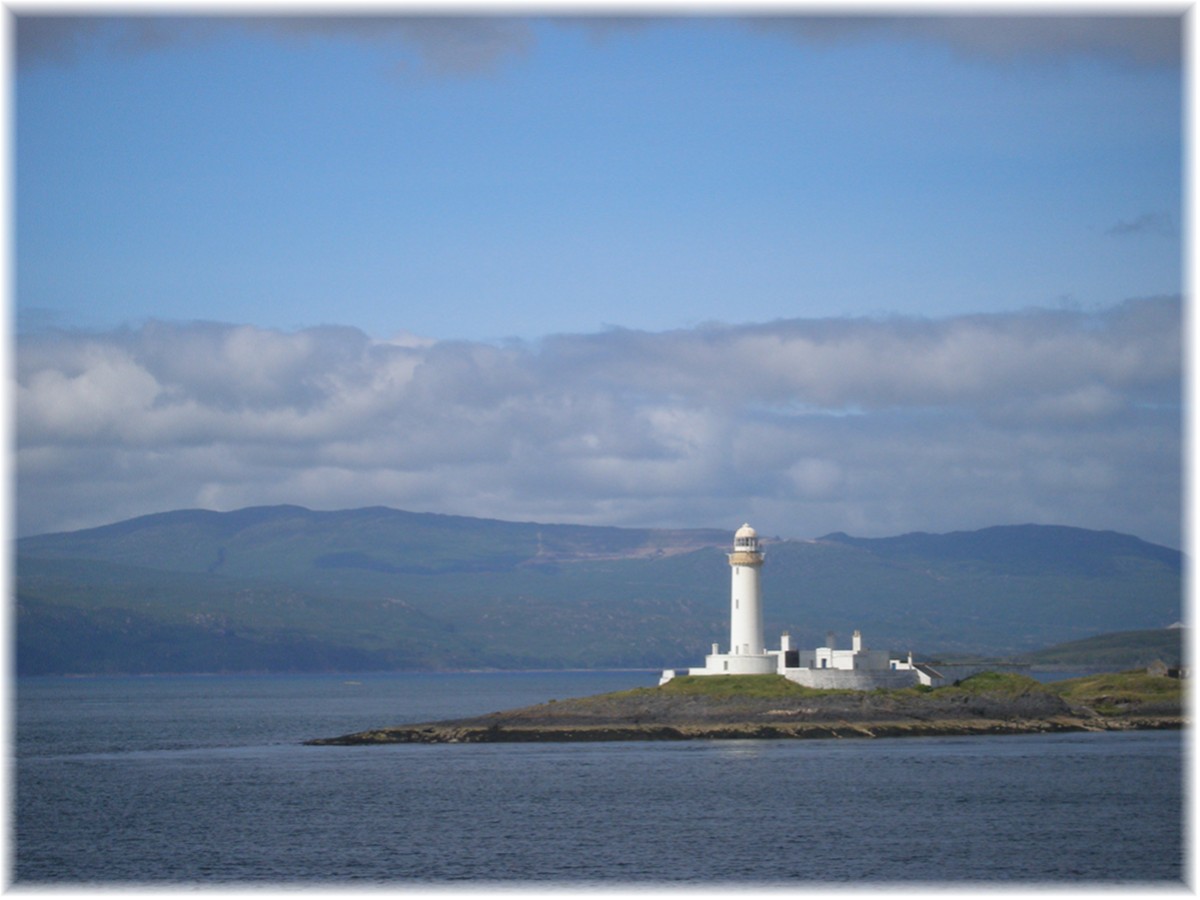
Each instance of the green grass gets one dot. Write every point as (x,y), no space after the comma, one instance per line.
(1007,683)
(1119,687)
(776,686)
(754,687)
(749,686)
(771,686)
(1110,693)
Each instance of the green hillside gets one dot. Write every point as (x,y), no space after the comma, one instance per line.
(279,588)
(1122,650)
(287,541)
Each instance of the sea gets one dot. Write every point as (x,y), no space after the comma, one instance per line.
(204,781)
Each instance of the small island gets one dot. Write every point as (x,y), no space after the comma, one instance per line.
(753,692)
(771,706)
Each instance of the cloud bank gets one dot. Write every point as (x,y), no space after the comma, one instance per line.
(467,45)
(433,45)
(871,426)
(1124,39)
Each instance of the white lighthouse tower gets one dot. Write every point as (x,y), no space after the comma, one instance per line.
(824,667)
(745,596)
(746,654)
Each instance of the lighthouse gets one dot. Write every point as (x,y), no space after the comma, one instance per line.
(747,655)
(856,669)
(745,595)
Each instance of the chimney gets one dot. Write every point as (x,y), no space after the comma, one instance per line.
(856,641)
(829,639)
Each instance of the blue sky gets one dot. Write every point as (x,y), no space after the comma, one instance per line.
(337,261)
(580,176)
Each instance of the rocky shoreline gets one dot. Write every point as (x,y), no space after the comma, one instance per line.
(458,734)
(655,714)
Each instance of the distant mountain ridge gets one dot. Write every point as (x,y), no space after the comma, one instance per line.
(286,588)
(1023,547)
(1122,650)
(399,541)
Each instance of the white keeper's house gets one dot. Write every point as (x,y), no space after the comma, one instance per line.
(821,667)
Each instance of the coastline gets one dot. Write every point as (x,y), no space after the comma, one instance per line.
(772,708)
(451,733)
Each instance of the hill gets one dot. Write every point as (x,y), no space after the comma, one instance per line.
(1122,650)
(285,588)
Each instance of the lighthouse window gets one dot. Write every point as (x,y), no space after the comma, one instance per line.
(736,603)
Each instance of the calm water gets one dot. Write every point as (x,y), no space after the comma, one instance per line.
(202,780)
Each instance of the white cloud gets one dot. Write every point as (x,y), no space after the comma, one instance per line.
(874,426)
(817,478)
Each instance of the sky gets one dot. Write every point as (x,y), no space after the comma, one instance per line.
(819,272)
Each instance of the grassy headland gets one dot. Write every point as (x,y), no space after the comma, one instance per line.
(770,706)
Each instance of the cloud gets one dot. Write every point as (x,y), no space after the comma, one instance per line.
(55,39)
(423,44)
(872,426)
(1147,223)
(469,45)
(435,45)
(1142,40)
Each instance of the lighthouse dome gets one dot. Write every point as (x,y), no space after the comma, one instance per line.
(745,539)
